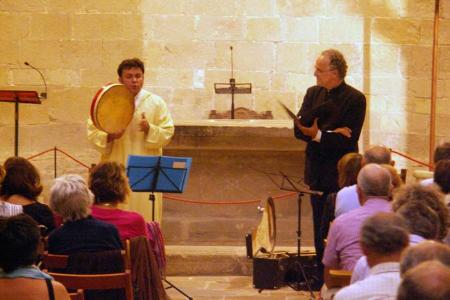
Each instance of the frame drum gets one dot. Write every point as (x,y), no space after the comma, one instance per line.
(112,108)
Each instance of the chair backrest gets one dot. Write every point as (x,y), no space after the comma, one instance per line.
(79,295)
(58,261)
(97,281)
(340,277)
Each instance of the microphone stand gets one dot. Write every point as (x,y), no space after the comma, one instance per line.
(44,94)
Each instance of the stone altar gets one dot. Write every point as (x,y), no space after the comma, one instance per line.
(231,162)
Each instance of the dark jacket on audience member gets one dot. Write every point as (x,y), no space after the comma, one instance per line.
(86,235)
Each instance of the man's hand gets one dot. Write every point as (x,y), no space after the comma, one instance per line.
(143,124)
(345,131)
(113,136)
(308,131)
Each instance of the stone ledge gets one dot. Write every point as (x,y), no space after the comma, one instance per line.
(212,260)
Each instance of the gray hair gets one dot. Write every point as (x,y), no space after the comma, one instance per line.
(384,234)
(377,155)
(337,61)
(71,198)
(374,180)
(424,251)
(427,281)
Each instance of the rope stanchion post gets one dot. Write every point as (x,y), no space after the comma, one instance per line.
(54,162)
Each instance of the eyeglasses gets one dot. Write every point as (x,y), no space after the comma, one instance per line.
(323,71)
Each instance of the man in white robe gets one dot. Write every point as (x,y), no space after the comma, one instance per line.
(148,132)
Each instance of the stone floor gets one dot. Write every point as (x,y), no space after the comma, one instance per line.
(229,288)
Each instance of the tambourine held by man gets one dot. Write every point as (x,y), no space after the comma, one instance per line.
(112,108)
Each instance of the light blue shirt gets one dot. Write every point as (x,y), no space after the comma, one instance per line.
(346,200)
(26,272)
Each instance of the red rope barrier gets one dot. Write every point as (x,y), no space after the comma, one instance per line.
(180,199)
(63,152)
(73,158)
(410,158)
(39,154)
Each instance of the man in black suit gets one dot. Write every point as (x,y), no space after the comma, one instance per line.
(330,121)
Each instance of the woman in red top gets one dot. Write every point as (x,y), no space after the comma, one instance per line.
(110,186)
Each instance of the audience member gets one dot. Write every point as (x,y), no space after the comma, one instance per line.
(71,198)
(422,223)
(427,281)
(425,251)
(383,238)
(110,186)
(19,277)
(442,176)
(347,198)
(7,209)
(441,152)
(342,249)
(428,195)
(348,168)
(22,186)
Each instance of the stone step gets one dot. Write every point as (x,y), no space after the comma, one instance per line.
(213,260)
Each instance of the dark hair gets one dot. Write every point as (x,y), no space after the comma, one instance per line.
(384,233)
(427,195)
(441,152)
(420,219)
(108,182)
(337,61)
(21,178)
(19,240)
(442,175)
(130,63)
(348,168)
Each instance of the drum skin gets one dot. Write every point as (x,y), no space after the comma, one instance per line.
(112,108)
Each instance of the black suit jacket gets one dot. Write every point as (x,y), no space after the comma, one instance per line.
(343,106)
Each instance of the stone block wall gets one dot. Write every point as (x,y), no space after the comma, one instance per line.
(185,45)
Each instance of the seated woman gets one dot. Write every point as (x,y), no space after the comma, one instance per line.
(80,232)
(8,209)
(110,186)
(22,186)
(19,277)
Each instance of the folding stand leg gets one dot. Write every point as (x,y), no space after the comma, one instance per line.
(299,265)
(171,285)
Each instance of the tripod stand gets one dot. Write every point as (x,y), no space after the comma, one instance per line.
(299,284)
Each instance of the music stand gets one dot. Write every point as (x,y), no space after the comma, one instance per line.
(288,184)
(17,97)
(159,174)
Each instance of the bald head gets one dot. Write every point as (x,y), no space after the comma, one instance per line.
(427,281)
(374,181)
(425,251)
(377,155)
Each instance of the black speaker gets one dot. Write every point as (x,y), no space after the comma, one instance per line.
(273,273)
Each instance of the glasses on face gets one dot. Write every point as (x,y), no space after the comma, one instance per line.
(318,70)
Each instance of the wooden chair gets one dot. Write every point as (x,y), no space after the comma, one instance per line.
(340,278)
(79,295)
(58,261)
(97,281)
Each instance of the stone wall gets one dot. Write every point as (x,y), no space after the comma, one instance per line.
(185,45)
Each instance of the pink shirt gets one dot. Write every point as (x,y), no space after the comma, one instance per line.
(129,224)
(343,250)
